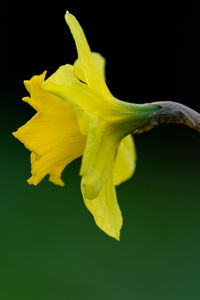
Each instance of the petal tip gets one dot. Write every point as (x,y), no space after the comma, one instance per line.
(67,13)
(115,235)
(14,133)
(31,181)
(34,180)
(27,85)
(67,16)
(56,180)
(26,99)
(117,238)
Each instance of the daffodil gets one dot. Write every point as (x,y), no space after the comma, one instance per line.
(78,116)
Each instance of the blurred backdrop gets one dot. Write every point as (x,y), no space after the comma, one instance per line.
(50,246)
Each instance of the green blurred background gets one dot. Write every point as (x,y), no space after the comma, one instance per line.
(51,248)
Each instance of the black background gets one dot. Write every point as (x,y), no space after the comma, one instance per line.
(151,49)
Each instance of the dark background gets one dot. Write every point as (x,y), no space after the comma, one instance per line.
(50,247)
(152,50)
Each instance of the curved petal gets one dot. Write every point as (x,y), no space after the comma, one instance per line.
(52,135)
(99,61)
(105,209)
(65,85)
(55,175)
(91,73)
(125,161)
(98,158)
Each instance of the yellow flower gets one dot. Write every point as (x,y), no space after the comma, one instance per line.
(78,116)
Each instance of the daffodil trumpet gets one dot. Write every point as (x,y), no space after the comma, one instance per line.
(78,116)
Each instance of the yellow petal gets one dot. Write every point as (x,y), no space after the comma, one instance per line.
(99,61)
(125,160)
(105,209)
(55,175)
(64,84)
(93,77)
(53,134)
(98,158)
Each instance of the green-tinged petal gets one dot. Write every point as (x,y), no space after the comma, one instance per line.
(105,209)
(125,161)
(104,125)
(52,135)
(93,77)
(98,158)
